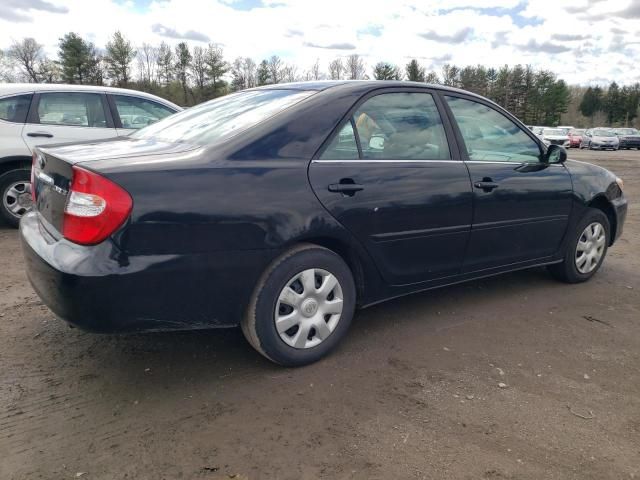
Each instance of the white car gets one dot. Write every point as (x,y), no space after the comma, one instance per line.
(555,136)
(40,114)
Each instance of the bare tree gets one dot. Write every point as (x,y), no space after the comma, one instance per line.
(27,54)
(148,63)
(199,68)
(243,72)
(290,73)
(249,67)
(166,68)
(6,68)
(275,69)
(355,67)
(314,73)
(336,69)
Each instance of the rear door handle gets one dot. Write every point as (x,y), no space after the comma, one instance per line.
(346,188)
(39,134)
(486,184)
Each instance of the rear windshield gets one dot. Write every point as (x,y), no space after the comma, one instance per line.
(627,131)
(223,117)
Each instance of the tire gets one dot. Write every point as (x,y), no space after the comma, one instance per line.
(11,183)
(259,322)
(568,270)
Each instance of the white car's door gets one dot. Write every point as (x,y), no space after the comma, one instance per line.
(135,113)
(59,117)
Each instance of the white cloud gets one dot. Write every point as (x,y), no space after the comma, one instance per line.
(579,40)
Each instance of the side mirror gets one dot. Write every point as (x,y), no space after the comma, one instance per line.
(555,154)
(376,143)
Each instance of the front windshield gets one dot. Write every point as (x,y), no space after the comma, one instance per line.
(603,133)
(627,131)
(553,131)
(221,118)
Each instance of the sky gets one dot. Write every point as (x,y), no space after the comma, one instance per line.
(584,41)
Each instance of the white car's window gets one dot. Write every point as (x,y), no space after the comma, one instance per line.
(137,112)
(490,136)
(15,109)
(71,109)
(223,117)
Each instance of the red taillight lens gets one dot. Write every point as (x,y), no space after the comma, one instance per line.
(96,207)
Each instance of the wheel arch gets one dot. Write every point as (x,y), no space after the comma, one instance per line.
(602,203)
(14,162)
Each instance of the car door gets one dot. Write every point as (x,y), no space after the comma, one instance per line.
(59,117)
(132,113)
(390,176)
(521,204)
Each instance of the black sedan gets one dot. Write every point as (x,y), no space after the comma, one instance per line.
(284,208)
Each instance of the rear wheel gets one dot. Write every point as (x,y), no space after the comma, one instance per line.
(302,306)
(586,249)
(15,188)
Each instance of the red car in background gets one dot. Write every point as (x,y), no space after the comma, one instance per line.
(575,137)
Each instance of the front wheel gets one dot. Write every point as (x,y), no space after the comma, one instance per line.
(301,307)
(15,188)
(586,249)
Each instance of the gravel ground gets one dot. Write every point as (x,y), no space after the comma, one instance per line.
(413,392)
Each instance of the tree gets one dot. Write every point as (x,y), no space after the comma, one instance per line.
(263,75)
(450,75)
(314,71)
(182,65)
(591,102)
(243,73)
(166,65)
(216,66)
(355,67)
(27,54)
(148,64)
(432,77)
(414,71)
(79,61)
(385,71)
(119,55)
(199,69)
(336,69)
(275,69)
(290,73)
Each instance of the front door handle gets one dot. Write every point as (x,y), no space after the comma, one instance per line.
(486,185)
(39,134)
(346,186)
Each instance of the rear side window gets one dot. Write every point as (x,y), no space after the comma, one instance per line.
(393,126)
(72,109)
(223,117)
(15,109)
(137,112)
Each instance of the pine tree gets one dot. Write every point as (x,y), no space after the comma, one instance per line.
(119,55)
(79,60)
(262,75)
(182,65)
(414,71)
(385,71)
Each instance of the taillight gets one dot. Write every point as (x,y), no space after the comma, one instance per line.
(96,207)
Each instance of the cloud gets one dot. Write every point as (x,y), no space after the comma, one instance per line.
(544,47)
(566,37)
(164,31)
(332,46)
(16,10)
(294,33)
(458,37)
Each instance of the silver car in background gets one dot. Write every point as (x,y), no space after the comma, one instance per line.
(555,136)
(601,139)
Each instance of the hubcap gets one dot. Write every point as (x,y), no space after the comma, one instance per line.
(309,308)
(590,247)
(17,198)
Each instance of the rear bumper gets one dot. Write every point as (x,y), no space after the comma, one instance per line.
(99,288)
(629,143)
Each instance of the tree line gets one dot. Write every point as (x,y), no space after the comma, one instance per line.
(188,76)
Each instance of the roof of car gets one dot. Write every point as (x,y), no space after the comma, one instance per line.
(17,88)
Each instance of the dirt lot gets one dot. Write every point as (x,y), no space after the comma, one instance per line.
(413,392)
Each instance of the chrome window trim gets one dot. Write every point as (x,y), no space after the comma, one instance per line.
(385,161)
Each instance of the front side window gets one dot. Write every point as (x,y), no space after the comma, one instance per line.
(15,109)
(401,126)
(223,117)
(72,109)
(137,112)
(491,136)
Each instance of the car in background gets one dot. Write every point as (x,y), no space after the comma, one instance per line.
(628,137)
(566,128)
(283,208)
(600,139)
(42,114)
(555,136)
(575,137)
